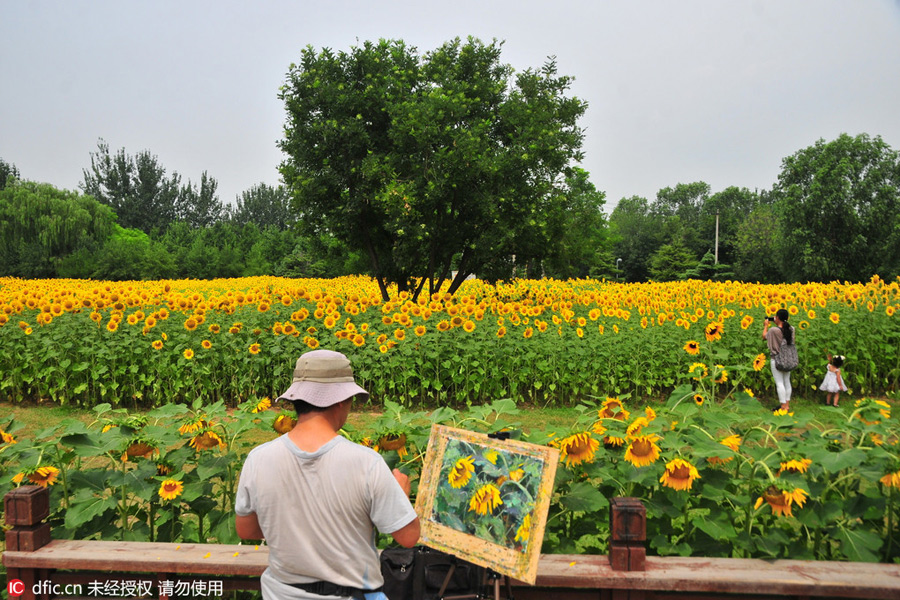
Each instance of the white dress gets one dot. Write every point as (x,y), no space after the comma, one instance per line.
(831,384)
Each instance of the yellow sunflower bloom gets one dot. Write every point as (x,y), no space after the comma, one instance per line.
(578,448)
(254,348)
(462,472)
(188,354)
(733,442)
(834,318)
(170,489)
(692,348)
(207,440)
(642,450)
(262,405)
(284,423)
(714,331)
(891,480)
(485,500)
(795,466)
(679,475)
(43,476)
(759,362)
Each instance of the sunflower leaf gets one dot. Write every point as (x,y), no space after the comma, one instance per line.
(859,545)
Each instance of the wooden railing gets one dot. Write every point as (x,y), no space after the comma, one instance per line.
(93,569)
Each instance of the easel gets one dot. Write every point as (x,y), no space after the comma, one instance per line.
(491,577)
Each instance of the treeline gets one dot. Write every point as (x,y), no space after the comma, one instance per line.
(134,221)
(833,214)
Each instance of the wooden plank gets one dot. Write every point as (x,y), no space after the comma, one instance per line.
(201,559)
(725,575)
(576,572)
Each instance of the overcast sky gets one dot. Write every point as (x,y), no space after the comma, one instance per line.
(677,91)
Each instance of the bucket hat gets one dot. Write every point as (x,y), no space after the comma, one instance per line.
(323,378)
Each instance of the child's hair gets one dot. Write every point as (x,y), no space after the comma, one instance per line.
(837,360)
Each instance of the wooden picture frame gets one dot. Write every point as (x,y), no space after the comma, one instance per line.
(486,500)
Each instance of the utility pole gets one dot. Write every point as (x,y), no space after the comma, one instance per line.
(717,237)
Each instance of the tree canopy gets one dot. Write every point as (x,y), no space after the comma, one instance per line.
(429,163)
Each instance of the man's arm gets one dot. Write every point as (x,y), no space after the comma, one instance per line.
(408,535)
(248,527)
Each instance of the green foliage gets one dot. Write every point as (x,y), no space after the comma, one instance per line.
(670,261)
(425,162)
(7,170)
(839,210)
(40,225)
(265,206)
(766,486)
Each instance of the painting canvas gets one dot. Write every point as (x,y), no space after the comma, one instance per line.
(485,499)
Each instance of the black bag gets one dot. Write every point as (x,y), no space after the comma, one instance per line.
(418,574)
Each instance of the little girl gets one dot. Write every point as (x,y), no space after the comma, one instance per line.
(833,384)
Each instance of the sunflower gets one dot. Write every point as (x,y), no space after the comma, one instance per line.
(112,325)
(206,440)
(284,423)
(419,330)
(528,333)
(469,326)
(698,367)
(311,343)
(891,480)
(642,450)
(679,474)
(714,331)
(254,348)
(698,399)
(262,405)
(612,408)
(485,500)
(188,354)
(579,332)
(721,374)
(781,500)
(517,474)
(733,442)
(501,331)
(206,344)
(692,348)
(193,426)
(524,530)
(6,438)
(759,362)
(634,429)
(170,489)
(795,466)
(443,325)
(578,448)
(214,328)
(834,318)
(461,472)
(190,324)
(138,448)
(43,476)
(746,322)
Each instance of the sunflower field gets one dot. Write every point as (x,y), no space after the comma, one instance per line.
(545,342)
(664,382)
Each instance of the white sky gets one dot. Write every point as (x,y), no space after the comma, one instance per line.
(678,91)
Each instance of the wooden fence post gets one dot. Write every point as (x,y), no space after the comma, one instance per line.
(628,532)
(24,508)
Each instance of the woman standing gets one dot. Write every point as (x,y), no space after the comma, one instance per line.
(774,336)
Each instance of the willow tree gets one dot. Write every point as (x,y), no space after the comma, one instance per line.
(40,225)
(428,163)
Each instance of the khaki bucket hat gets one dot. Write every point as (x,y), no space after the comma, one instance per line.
(323,378)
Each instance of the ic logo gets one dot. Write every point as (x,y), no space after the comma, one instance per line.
(15,587)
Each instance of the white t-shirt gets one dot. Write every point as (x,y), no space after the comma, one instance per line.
(319,511)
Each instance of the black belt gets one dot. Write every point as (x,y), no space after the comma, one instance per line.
(326,588)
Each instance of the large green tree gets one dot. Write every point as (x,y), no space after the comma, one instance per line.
(7,170)
(838,205)
(428,163)
(40,225)
(265,206)
(135,187)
